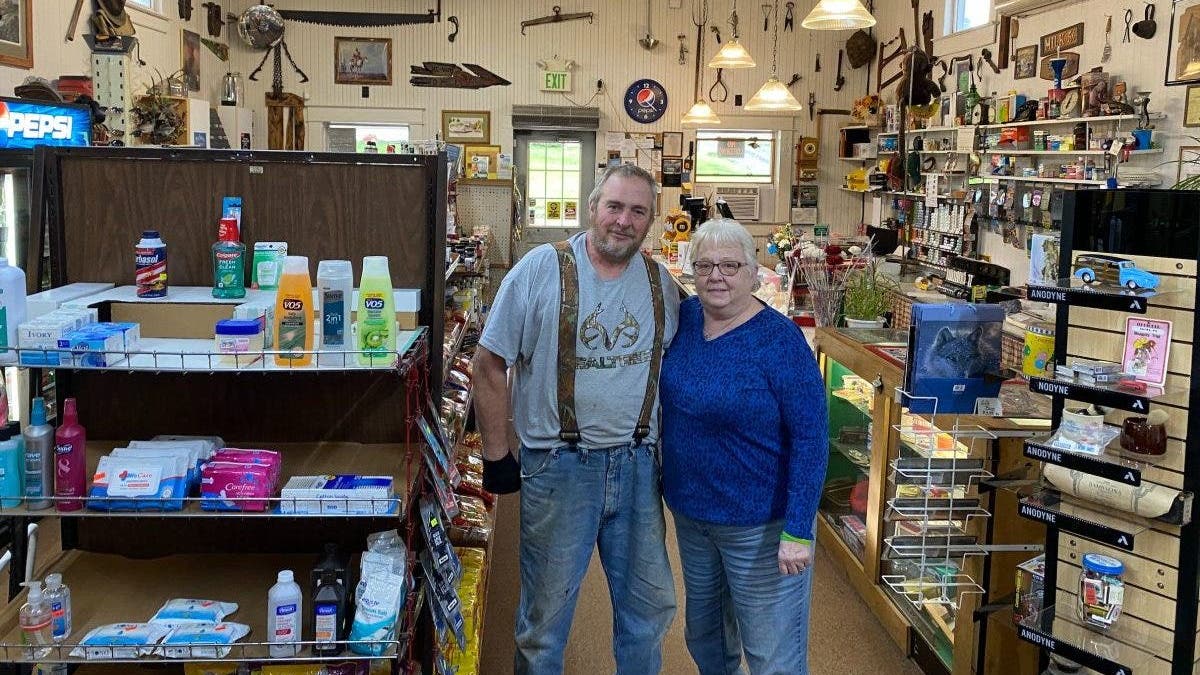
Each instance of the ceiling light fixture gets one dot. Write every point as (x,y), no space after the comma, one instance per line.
(732,54)
(838,15)
(774,96)
(700,114)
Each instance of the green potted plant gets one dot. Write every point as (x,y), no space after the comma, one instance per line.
(866,299)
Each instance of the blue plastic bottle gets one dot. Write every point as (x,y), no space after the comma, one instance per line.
(12,465)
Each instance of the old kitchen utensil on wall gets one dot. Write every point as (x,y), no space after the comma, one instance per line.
(1147,27)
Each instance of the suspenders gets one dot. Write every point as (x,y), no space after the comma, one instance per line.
(568,332)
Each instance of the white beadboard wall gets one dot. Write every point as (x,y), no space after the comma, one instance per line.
(1140,63)
(160,37)
(605,50)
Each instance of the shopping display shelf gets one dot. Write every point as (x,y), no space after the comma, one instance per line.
(193,355)
(921,621)
(918,132)
(946,591)
(919,508)
(941,471)
(452,266)
(1065,153)
(1124,649)
(108,589)
(1111,463)
(858,455)
(1047,506)
(1075,293)
(1039,179)
(853,400)
(1108,396)
(456,344)
(1070,120)
(843,188)
(858,159)
(402,463)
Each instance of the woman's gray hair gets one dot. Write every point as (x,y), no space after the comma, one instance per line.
(725,231)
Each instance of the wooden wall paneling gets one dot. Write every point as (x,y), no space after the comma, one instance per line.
(1147,573)
(1139,603)
(1132,635)
(1088,343)
(1181,321)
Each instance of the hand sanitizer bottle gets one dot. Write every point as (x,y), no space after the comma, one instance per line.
(34,618)
(58,596)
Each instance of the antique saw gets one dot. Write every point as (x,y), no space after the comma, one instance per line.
(362,19)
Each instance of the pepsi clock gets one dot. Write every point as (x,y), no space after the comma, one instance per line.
(645,101)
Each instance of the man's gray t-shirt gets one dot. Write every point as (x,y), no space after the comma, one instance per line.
(614,346)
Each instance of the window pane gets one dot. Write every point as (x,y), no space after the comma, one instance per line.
(556,169)
(537,156)
(571,184)
(735,156)
(554,156)
(573,156)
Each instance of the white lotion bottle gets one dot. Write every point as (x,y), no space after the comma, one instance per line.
(285,612)
(335,291)
(12,308)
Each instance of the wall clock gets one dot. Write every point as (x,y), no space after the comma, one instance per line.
(645,101)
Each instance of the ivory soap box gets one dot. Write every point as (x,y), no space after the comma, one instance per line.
(351,495)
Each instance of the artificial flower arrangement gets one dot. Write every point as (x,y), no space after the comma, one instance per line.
(867,108)
(782,242)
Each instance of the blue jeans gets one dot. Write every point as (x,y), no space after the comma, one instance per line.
(738,600)
(573,500)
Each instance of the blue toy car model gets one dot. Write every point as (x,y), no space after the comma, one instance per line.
(1094,268)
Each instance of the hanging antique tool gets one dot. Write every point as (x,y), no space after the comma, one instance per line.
(215,21)
(185,10)
(683,50)
(649,42)
(1146,28)
(452,76)
(557,17)
(1107,53)
(719,93)
(717,32)
(796,77)
(1128,25)
(362,19)
(453,22)
(885,59)
(219,48)
(74,22)
(987,57)
(766,10)
(817,68)
(841,79)
(789,22)
(812,106)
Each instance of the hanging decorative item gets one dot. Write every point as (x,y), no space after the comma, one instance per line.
(773,96)
(645,101)
(987,58)
(74,22)
(361,19)
(261,27)
(185,10)
(700,114)
(917,86)
(215,20)
(1070,68)
(557,17)
(841,79)
(1066,38)
(885,59)
(453,22)
(789,19)
(219,48)
(111,20)
(452,76)
(648,41)
(731,54)
(861,48)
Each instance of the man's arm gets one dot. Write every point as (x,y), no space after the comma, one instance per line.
(493,408)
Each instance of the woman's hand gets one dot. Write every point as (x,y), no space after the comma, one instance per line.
(794,557)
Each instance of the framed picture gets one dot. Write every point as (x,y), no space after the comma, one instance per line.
(1191,107)
(482,161)
(189,56)
(1147,348)
(1025,63)
(362,60)
(1183,43)
(467,126)
(962,75)
(16,33)
(1189,162)
(672,144)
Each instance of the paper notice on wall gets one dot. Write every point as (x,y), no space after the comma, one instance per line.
(965,141)
(612,140)
(629,148)
(931,190)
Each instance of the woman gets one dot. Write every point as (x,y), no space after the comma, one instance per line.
(744,456)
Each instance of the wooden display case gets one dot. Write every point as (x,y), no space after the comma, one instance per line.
(862,381)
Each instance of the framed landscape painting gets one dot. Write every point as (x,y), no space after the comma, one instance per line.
(362,61)
(473,127)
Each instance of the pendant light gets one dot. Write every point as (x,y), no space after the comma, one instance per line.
(700,114)
(732,54)
(774,96)
(838,15)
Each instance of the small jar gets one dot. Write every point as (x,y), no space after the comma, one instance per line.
(1101,591)
(239,342)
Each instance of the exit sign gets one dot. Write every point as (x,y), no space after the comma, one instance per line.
(553,80)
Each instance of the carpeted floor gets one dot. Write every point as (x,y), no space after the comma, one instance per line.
(843,635)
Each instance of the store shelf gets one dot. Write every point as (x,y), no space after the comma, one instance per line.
(1110,464)
(1067,153)
(916,195)
(860,405)
(1037,179)
(455,261)
(1124,648)
(1111,397)
(1070,120)
(921,621)
(937,509)
(1048,507)
(843,188)
(1075,293)
(944,152)
(184,355)
(919,132)
(859,456)
(113,589)
(401,462)
(858,159)
(947,591)
(938,471)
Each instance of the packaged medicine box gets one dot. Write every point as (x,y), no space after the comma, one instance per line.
(350,495)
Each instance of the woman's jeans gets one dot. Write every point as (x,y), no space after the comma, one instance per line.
(737,600)
(572,501)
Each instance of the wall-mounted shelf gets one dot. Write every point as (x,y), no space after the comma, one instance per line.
(1067,153)
(1110,465)
(1069,120)
(1074,293)
(1123,649)
(858,159)
(1037,179)
(1111,397)
(918,132)
(843,188)
(942,152)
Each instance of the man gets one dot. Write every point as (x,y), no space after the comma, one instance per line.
(585,348)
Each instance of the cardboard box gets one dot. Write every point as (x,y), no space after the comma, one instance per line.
(352,495)
(1030,593)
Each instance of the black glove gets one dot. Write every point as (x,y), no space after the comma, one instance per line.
(502,476)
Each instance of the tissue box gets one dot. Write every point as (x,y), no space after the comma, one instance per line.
(351,495)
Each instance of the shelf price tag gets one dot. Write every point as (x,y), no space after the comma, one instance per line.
(1069,651)
(1085,463)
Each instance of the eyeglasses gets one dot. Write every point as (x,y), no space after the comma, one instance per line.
(728,267)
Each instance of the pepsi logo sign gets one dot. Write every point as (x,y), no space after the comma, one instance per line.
(645,101)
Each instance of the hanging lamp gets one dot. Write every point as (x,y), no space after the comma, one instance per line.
(700,114)
(774,96)
(732,54)
(838,15)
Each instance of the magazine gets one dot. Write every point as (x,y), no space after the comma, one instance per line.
(1147,348)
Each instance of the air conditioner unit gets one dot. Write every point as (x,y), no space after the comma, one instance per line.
(744,202)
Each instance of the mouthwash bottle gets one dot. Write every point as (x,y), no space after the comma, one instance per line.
(294,314)
(229,262)
(376,314)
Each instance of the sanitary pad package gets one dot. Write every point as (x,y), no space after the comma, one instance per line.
(191,609)
(120,641)
(236,486)
(202,640)
(136,484)
(268,458)
(353,495)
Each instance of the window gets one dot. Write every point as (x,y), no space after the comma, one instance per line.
(553,192)
(724,156)
(381,138)
(963,15)
(151,5)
